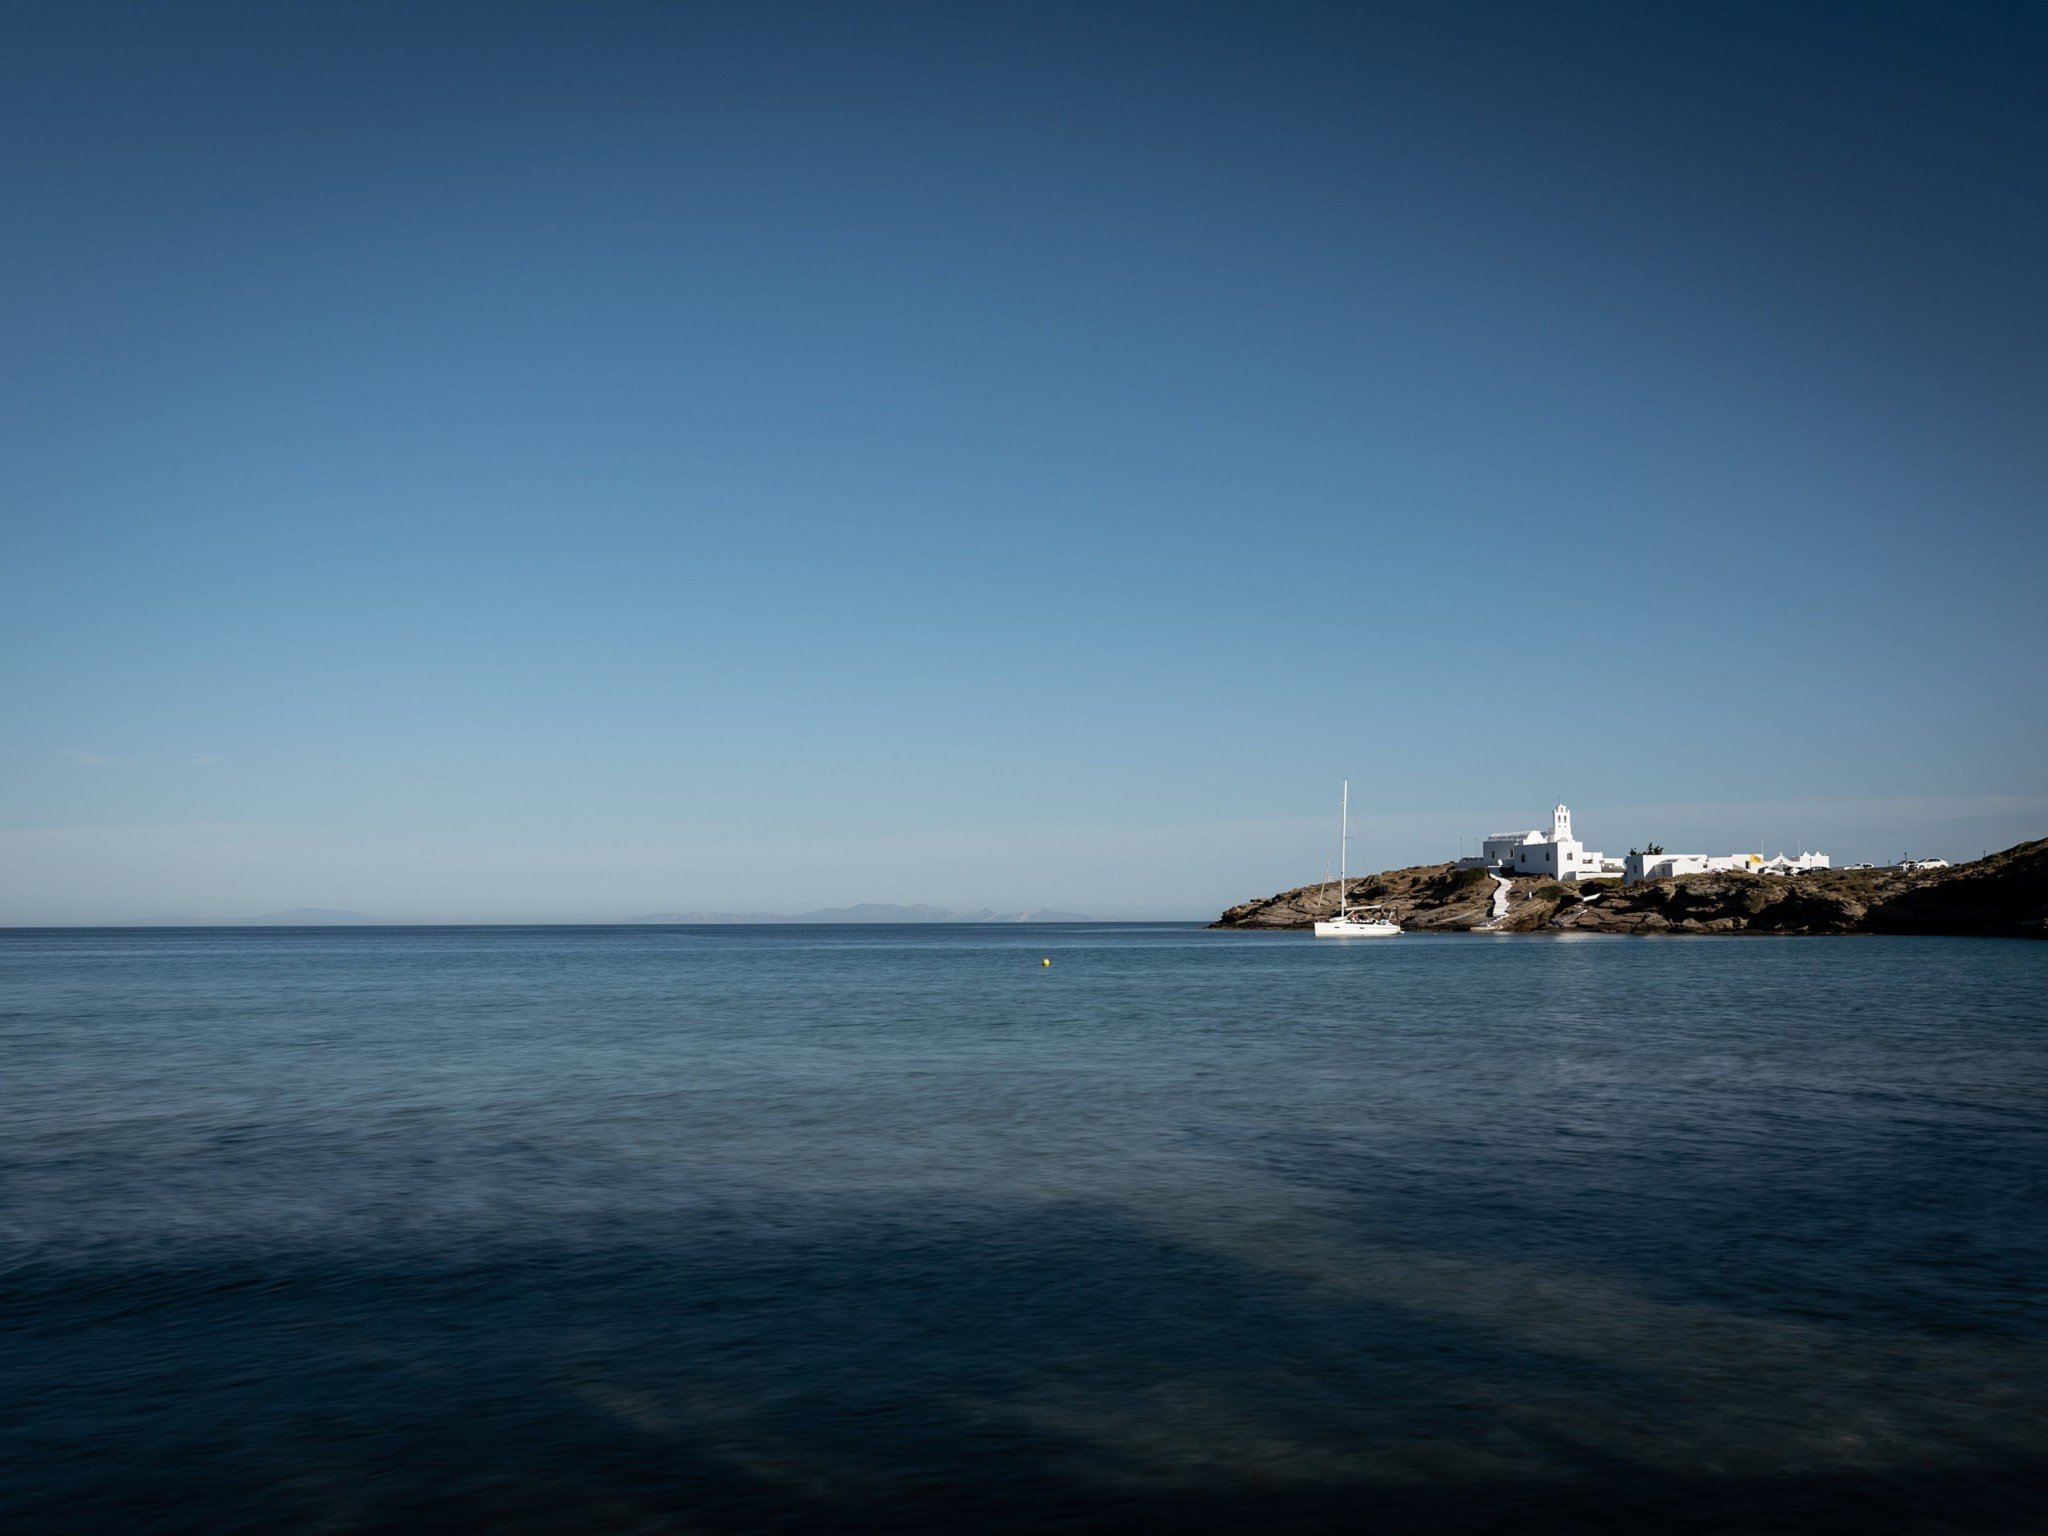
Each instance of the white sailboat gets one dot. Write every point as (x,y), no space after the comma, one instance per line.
(1365,922)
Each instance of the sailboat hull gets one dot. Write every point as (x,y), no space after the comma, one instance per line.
(1355,928)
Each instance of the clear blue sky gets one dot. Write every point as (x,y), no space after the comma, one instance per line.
(576,460)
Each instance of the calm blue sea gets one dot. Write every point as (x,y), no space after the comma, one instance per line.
(748,1229)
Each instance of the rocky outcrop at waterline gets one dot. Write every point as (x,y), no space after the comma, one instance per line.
(2004,895)
(1426,896)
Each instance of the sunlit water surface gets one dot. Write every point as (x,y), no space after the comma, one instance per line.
(830,1229)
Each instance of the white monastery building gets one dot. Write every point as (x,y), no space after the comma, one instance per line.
(1557,854)
(1563,857)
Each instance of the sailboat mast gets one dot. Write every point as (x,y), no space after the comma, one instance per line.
(1344,852)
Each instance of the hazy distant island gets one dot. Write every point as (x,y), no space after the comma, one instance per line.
(870,912)
(2001,895)
(863,912)
(297,917)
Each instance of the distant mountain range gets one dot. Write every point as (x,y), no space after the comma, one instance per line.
(297,917)
(865,912)
(869,912)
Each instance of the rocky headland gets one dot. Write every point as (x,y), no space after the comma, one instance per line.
(2003,895)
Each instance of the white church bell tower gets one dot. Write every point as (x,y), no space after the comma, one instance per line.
(1561,824)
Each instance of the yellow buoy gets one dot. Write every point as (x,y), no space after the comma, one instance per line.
(1046,961)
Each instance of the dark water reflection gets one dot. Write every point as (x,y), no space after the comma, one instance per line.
(817,1230)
